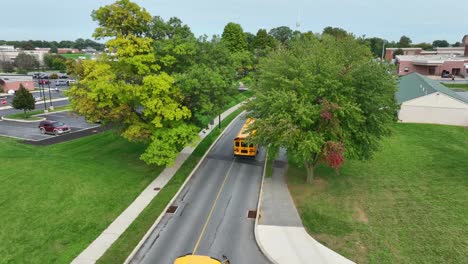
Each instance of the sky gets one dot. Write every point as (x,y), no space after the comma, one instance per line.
(421,20)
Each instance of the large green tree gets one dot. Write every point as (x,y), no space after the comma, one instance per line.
(283,34)
(263,41)
(405,42)
(234,38)
(335,32)
(175,44)
(26,62)
(323,99)
(23,100)
(440,44)
(128,88)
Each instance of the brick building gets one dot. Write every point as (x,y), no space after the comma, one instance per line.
(441,62)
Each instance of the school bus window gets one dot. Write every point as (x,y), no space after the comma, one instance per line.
(237,144)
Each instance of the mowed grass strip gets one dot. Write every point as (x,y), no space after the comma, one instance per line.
(407,205)
(55,200)
(121,249)
(457,86)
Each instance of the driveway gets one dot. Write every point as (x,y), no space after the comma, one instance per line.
(29,131)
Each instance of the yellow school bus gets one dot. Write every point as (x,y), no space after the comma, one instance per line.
(197,259)
(241,148)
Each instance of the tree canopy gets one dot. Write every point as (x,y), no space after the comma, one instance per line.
(233,37)
(26,62)
(129,89)
(440,44)
(323,99)
(23,100)
(335,32)
(283,34)
(405,42)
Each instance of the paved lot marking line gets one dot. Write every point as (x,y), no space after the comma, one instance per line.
(213,207)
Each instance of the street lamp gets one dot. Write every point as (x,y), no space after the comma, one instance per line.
(42,93)
(51,107)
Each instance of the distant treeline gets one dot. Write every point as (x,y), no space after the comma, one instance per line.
(32,44)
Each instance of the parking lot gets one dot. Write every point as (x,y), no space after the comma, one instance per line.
(30,131)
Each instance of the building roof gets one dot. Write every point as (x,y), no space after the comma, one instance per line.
(405,49)
(415,85)
(431,59)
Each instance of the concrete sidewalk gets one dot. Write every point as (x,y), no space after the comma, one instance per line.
(278,229)
(103,242)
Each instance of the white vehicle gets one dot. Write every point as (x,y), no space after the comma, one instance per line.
(60,82)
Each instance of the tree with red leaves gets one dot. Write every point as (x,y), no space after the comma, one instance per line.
(324,99)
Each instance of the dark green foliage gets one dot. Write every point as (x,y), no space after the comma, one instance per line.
(335,32)
(23,100)
(250,40)
(233,37)
(423,45)
(397,52)
(7,66)
(77,44)
(440,44)
(323,90)
(283,34)
(376,45)
(175,44)
(263,41)
(26,62)
(405,42)
(205,92)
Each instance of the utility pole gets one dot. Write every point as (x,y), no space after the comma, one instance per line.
(383,49)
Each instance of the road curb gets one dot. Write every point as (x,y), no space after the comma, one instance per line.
(148,233)
(262,249)
(21,120)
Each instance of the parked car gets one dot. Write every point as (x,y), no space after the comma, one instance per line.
(53,127)
(61,83)
(63,76)
(37,98)
(43,81)
(71,81)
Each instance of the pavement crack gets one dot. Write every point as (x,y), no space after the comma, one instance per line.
(185,192)
(221,221)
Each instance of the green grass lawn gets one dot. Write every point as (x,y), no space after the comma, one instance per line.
(75,55)
(407,205)
(457,86)
(55,200)
(30,115)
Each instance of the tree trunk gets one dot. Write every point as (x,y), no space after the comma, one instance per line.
(310,171)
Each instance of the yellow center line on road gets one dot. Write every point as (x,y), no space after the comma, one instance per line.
(212,208)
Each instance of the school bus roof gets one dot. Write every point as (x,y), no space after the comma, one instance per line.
(194,259)
(243,133)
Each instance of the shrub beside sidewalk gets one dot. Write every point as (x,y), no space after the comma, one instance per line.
(122,248)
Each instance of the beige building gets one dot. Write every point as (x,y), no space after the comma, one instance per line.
(9,53)
(423,100)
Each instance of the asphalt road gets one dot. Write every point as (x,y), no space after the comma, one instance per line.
(39,106)
(212,211)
